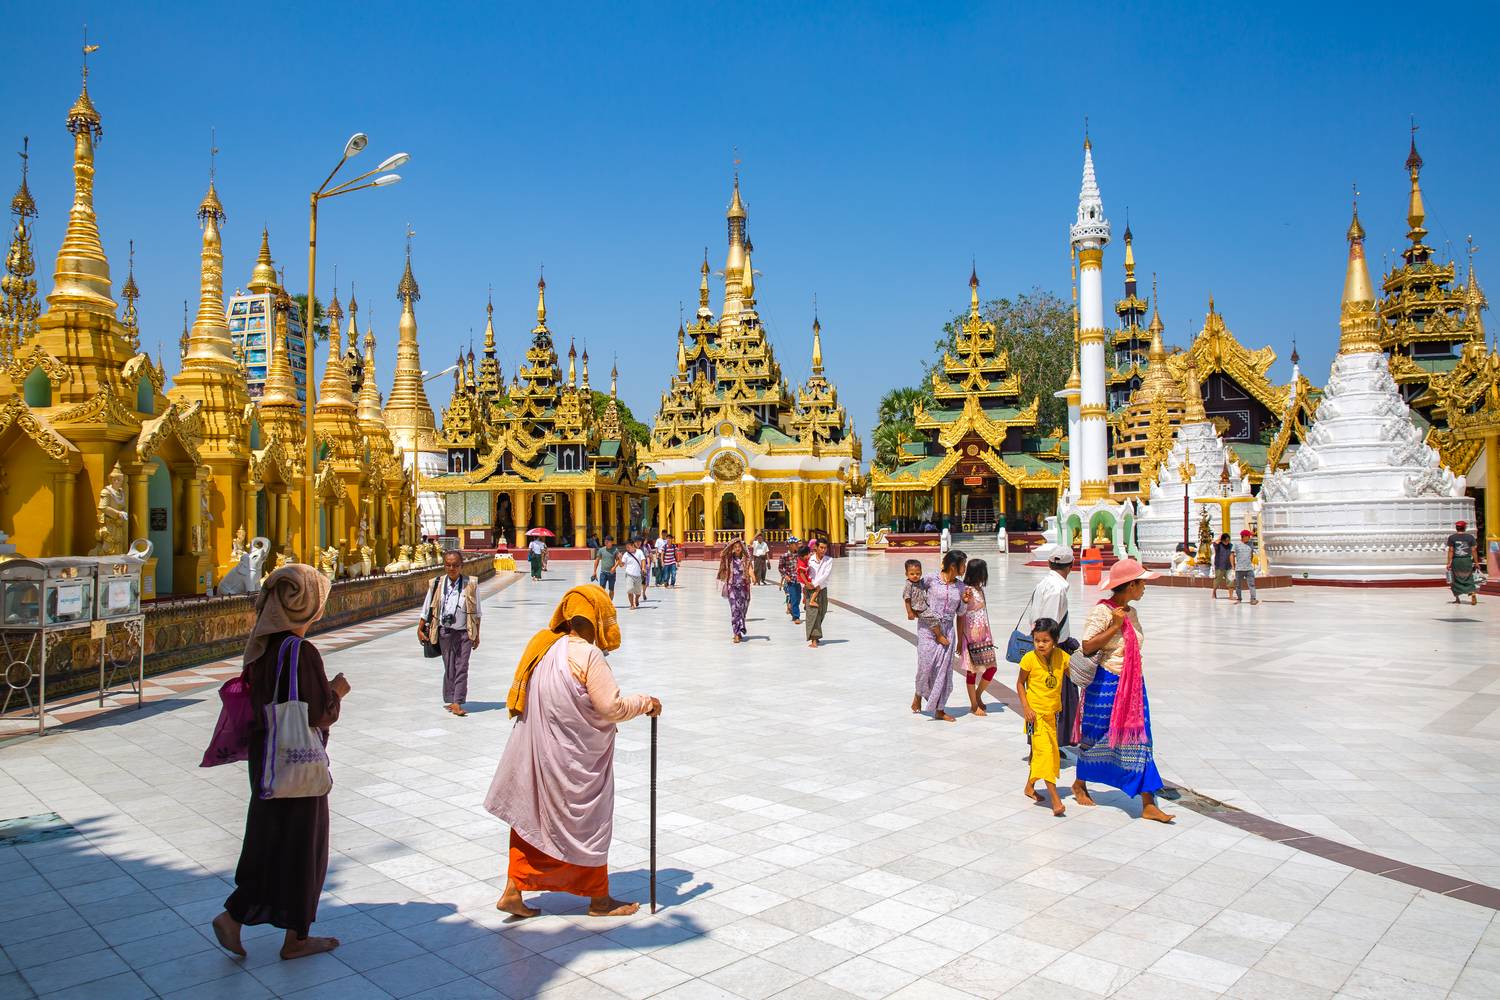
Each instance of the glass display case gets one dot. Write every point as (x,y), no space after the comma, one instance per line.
(119,587)
(47,592)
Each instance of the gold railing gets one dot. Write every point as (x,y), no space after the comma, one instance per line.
(776,535)
(692,536)
(726,535)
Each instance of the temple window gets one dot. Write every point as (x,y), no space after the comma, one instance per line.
(37,390)
(145,401)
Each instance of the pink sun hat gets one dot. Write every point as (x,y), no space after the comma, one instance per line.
(1125,571)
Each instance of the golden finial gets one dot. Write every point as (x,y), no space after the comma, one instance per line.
(747,282)
(681,350)
(23,206)
(263,277)
(614,376)
(541,297)
(572,364)
(1156,326)
(736,206)
(973,288)
(703,307)
(1129,249)
(1415,212)
(817,341)
(130,293)
(406,289)
(83,116)
(1358,321)
(1474,301)
(1193,392)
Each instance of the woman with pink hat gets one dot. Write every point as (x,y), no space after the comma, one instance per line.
(1115,724)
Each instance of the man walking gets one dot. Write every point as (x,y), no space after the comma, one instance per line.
(791,589)
(669,562)
(606,558)
(819,569)
(452,608)
(1223,563)
(633,565)
(1244,567)
(759,554)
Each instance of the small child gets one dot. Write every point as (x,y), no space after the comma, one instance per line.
(1044,671)
(976,641)
(914,594)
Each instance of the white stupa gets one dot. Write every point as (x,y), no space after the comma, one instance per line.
(1159,524)
(1364,498)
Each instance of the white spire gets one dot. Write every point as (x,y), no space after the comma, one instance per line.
(1091,231)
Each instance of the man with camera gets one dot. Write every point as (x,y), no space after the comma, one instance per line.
(451,610)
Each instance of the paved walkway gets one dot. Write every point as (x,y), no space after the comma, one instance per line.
(817,840)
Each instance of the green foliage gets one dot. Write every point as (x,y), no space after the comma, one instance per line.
(1037,328)
(893,423)
(320,321)
(633,427)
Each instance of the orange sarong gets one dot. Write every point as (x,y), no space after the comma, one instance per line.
(533,871)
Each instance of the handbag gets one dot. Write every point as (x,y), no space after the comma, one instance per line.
(1020,643)
(296,763)
(1081,669)
(430,649)
(231,739)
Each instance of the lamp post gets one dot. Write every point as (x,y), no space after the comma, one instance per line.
(353,147)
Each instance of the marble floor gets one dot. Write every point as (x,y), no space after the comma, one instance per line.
(816,839)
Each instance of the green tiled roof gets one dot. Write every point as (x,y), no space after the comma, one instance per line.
(916,448)
(609,448)
(996,413)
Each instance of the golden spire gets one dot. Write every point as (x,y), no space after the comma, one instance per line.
(209,341)
(614,379)
(736,206)
(1129,251)
(703,307)
(263,277)
(1194,394)
(572,364)
(585,359)
(1474,301)
(369,391)
(747,284)
(336,391)
(681,351)
(81,276)
(18,304)
(131,293)
(541,304)
(408,414)
(489,327)
(1156,327)
(281,387)
(1075,379)
(1415,213)
(1358,321)
(817,346)
(736,260)
(973,291)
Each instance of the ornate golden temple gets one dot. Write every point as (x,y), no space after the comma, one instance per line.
(733,451)
(540,453)
(981,455)
(1143,432)
(96,451)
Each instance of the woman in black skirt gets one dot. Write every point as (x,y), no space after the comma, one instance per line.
(285,855)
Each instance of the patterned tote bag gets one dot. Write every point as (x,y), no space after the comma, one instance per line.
(296,764)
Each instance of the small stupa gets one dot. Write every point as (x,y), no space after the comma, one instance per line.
(1195,467)
(1365,498)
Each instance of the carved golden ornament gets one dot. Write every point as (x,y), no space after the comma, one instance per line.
(1091,257)
(103,406)
(972,449)
(727,467)
(52,443)
(1094,411)
(1092,335)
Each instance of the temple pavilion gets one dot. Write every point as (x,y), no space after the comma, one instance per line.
(1144,431)
(733,450)
(536,454)
(980,456)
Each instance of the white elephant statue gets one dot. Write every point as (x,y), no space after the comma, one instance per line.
(245,577)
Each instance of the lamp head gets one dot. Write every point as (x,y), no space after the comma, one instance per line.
(385,179)
(394,161)
(356,144)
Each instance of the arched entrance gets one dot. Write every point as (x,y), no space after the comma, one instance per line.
(160,523)
(731,517)
(818,517)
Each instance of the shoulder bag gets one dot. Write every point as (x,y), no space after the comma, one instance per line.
(296,763)
(430,647)
(1020,642)
(231,739)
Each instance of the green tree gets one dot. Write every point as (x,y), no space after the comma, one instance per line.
(633,427)
(320,322)
(893,423)
(1037,328)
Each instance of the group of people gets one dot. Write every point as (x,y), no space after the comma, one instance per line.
(1088,693)
(1235,560)
(643,564)
(805,569)
(553,786)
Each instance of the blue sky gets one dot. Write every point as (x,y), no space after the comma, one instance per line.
(882,145)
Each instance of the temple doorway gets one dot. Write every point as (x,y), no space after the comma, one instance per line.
(731,517)
(160,524)
(775,517)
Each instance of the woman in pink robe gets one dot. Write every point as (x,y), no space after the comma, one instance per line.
(555,785)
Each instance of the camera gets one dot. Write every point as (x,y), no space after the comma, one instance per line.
(448,620)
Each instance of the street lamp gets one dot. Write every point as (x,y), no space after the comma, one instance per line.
(356,144)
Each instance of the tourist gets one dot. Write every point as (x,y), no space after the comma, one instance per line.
(1223,564)
(976,642)
(669,560)
(819,569)
(760,552)
(936,635)
(1049,599)
(536,554)
(284,857)
(735,575)
(456,610)
(791,585)
(1116,720)
(555,785)
(658,568)
(633,566)
(1040,685)
(1461,547)
(606,560)
(1243,559)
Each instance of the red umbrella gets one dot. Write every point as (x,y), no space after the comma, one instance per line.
(540,533)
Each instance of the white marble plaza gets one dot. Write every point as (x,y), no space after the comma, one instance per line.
(816,839)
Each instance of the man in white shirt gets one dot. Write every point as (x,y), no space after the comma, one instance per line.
(759,553)
(633,568)
(451,613)
(819,569)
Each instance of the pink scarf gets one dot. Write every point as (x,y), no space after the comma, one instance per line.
(1127,721)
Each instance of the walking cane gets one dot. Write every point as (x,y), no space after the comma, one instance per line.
(653,814)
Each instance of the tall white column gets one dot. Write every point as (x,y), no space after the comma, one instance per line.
(1090,234)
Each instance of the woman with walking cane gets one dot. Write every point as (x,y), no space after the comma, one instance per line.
(555,785)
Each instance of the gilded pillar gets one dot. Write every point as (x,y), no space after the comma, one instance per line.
(338,535)
(710,513)
(140,502)
(580,518)
(519,501)
(679,514)
(794,502)
(1492,491)
(283,520)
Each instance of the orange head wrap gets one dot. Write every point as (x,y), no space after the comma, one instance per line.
(589,602)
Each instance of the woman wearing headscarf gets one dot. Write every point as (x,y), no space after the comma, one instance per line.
(1115,725)
(284,858)
(555,785)
(736,573)
(937,635)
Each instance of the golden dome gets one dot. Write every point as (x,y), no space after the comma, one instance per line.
(263,277)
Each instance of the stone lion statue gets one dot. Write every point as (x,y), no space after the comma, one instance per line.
(244,578)
(402,563)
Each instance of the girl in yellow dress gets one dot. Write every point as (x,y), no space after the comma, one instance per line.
(1044,671)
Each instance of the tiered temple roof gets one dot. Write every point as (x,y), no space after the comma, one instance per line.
(1130,344)
(1147,426)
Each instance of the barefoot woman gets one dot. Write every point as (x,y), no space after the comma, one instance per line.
(284,858)
(555,785)
(1116,721)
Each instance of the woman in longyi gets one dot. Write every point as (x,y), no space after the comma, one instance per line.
(555,785)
